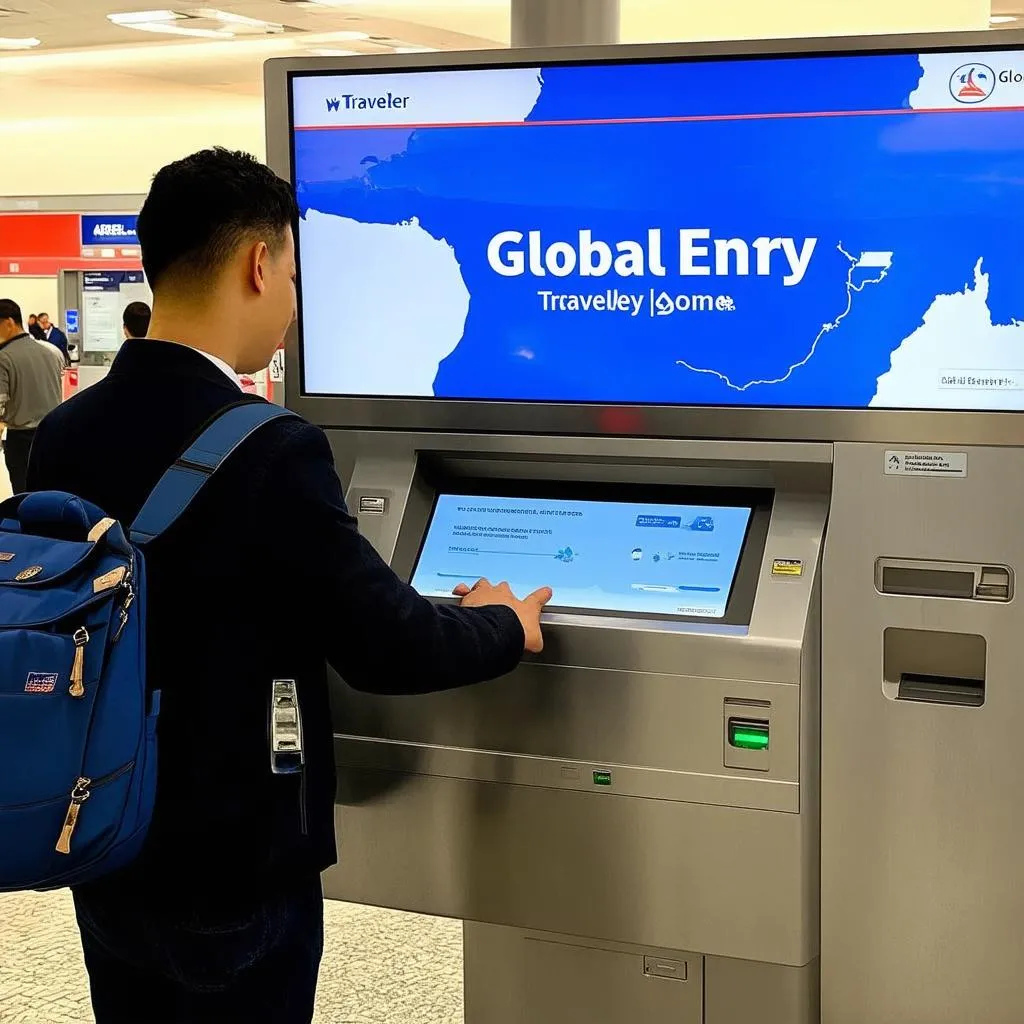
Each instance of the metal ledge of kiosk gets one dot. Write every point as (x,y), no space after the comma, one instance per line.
(374,754)
(780,424)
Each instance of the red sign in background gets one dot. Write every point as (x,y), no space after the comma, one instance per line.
(43,244)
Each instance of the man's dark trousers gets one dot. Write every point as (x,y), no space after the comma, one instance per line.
(17,445)
(204,964)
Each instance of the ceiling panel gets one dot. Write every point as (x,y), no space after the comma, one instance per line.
(64,24)
(82,49)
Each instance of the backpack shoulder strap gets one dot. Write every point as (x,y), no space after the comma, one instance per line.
(185,479)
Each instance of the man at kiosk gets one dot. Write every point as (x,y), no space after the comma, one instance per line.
(262,580)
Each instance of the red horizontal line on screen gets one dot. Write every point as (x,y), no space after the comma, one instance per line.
(682,119)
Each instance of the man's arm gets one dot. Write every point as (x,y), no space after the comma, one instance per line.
(62,346)
(5,391)
(378,633)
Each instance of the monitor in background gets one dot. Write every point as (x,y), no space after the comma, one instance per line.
(635,558)
(827,231)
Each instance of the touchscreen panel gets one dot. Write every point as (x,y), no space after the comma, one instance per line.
(628,557)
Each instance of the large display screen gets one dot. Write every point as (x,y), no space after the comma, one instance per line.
(829,231)
(636,558)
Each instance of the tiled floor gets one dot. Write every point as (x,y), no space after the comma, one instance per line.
(379,967)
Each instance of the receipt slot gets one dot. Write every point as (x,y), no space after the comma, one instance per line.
(754,417)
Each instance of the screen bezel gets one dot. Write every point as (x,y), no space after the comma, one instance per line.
(739,604)
(935,426)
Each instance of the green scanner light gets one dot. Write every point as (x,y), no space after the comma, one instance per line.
(748,735)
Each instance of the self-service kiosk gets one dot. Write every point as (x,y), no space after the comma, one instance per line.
(98,299)
(723,344)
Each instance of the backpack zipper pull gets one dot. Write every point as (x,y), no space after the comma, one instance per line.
(77,688)
(78,797)
(129,600)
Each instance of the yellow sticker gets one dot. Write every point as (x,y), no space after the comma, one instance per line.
(787,567)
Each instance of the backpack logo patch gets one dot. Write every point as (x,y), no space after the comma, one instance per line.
(29,574)
(6,556)
(41,682)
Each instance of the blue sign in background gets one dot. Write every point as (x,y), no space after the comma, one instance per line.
(110,230)
(110,280)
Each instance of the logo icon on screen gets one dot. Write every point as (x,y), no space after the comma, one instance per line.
(333,106)
(972,83)
(703,524)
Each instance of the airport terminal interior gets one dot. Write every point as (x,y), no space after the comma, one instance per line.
(711,318)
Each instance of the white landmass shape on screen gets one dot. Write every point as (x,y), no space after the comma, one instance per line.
(957,358)
(877,262)
(383,305)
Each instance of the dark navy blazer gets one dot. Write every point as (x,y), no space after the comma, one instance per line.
(265,577)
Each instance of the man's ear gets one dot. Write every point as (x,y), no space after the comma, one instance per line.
(259,257)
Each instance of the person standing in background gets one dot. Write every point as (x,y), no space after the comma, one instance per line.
(34,329)
(136,320)
(30,388)
(55,336)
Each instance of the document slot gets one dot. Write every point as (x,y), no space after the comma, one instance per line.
(927,582)
(964,581)
(942,690)
(934,667)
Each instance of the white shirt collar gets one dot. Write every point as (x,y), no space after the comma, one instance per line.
(218,362)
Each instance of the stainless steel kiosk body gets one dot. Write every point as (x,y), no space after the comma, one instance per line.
(629,823)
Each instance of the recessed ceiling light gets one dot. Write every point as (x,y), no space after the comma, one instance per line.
(166,22)
(227,18)
(142,17)
(24,43)
(178,30)
(1003,19)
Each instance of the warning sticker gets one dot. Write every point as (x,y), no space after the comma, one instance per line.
(277,366)
(787,567)
(936,464)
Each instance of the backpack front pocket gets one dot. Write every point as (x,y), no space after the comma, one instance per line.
(44,726)
(58,832)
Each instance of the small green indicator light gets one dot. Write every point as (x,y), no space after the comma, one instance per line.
(602,778)
(748,735)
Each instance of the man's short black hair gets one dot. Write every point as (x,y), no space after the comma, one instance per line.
(200,209)
(136,319)
(10,310)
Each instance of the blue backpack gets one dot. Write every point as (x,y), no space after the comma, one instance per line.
(77,721)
